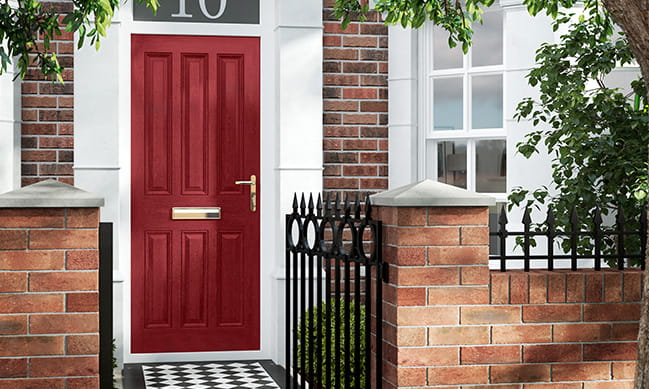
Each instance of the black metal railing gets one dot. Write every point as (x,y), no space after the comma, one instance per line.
(598,242)
(329,317)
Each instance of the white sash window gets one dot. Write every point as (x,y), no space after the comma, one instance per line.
(462,135)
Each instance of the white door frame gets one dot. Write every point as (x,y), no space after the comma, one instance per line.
(291,119)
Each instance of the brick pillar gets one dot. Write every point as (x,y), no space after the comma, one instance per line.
(436,241)
(49,326)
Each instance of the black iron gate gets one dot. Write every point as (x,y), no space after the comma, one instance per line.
(334,274)
(106,305)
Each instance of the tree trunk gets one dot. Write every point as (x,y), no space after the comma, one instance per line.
(633,17)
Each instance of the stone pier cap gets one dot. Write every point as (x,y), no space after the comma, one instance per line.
(50,194)
(429,193)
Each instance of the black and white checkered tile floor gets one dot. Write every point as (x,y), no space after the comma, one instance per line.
(217,375)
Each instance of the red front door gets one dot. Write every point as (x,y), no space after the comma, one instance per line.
(195,132)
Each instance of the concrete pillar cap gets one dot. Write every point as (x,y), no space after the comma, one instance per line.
(429,193)
(50,194)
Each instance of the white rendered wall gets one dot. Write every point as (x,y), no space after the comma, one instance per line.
(299,148)
(519,53)
(402,106)
(291,146)
(97,154)
(9,131)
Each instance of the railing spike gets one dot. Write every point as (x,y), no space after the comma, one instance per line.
(527,218)
(357,207)
(303,205)
(337,205)
(597,218)
(347,206)
(294,202)
(574,217)
(368,207)
(319,205)
(502,220)
(327,204)
(597,235)
(311,205)
(502,239)
(550,220)
(574,238)
(527,222)
(551,234)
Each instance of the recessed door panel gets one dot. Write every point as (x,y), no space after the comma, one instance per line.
(231,277)
(158,121)
(157,281)
(195,131)
(231,98)
(195,99)
(195,269)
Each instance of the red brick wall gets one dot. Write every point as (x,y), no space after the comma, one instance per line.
(450,321)
(47,116)
(49,325)
(558,327)
(355,105)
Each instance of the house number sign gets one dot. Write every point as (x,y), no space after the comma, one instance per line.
(200,11)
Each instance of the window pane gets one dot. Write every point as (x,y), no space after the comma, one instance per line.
(491,166)
(443,56)
(487,104)
(451,163)
(447,104)
(488,40)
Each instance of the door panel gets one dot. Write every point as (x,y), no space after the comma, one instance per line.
(231,148)
(194,281)
(158,278)
(195,100)
(195,131)
(158,121)
(231,315)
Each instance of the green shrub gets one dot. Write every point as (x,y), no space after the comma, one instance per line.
(313,339)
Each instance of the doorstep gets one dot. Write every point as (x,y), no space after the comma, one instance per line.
(262,374)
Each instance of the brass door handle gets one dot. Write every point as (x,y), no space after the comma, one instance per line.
(253,191)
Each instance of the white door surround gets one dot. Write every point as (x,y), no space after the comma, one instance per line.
(291,119)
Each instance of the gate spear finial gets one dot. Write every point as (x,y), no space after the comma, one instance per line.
(303,205)
(357,206)
(319,206)
(348,206)
(368,207)
(311,204)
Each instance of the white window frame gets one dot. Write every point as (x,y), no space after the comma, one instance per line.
(427,136)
